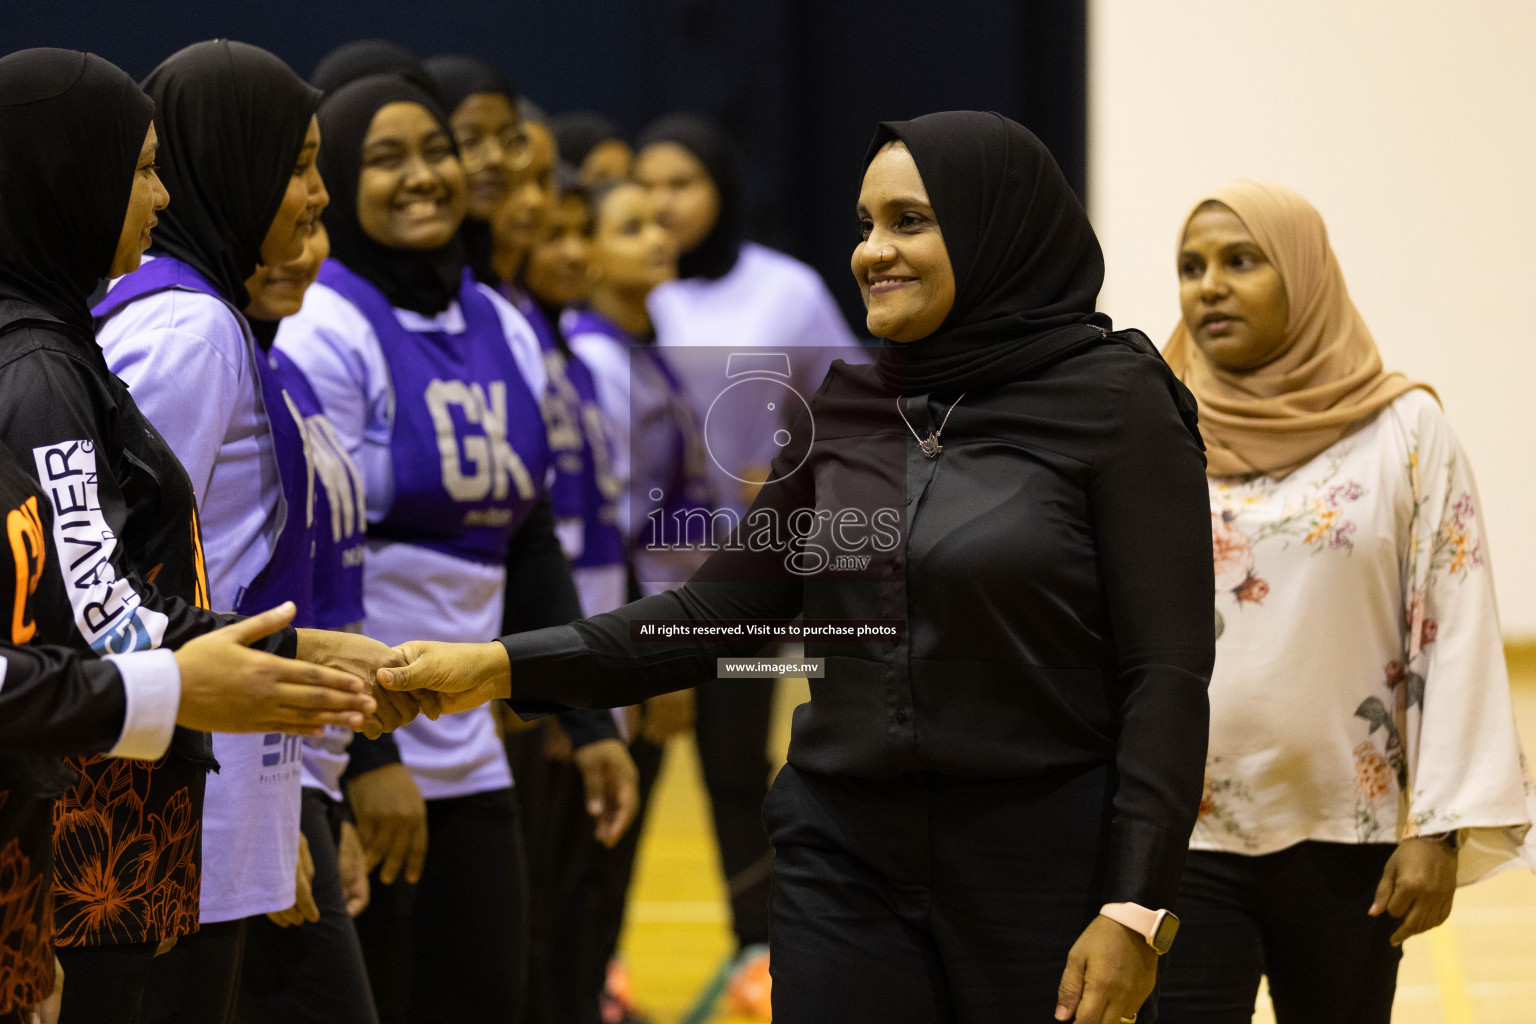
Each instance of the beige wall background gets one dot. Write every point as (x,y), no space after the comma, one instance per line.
(1412,127)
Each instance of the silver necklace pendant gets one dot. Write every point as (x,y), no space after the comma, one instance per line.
(929,445)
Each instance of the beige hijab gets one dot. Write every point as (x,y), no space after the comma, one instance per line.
(1328,377)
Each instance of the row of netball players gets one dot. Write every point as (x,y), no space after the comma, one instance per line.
(415,452)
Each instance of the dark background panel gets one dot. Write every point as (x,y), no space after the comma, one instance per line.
(800,83)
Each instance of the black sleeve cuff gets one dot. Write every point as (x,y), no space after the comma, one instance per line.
(284,643)
(1147,864)
(366,755)
(586,727)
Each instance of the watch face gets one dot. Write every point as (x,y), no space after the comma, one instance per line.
(1163,933)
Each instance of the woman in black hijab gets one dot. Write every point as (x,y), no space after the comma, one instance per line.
(715,253)
(78,198)
(493,147)
(591,143)
(431,380)
(985,809)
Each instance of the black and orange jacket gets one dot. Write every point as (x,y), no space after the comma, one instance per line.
(53,700)
(129,575)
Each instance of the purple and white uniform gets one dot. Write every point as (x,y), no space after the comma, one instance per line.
(340,548)
(439,414)
(657,447)
(267,485)
(585,492)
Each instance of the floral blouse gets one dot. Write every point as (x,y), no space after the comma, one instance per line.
(1360,693)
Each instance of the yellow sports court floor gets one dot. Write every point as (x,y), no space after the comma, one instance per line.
(1478,968)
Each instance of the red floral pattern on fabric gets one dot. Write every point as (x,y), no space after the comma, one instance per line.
(126,853)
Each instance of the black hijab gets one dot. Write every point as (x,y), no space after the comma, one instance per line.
(1027,264)
(366,57)
(71,127)
(423,281)
(457,79)
(579,132)
(717,254)
(231,119)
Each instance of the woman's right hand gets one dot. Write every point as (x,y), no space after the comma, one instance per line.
(446,678)
(353,862)
(228,687)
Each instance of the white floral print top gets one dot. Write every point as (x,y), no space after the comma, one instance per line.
(1360,693)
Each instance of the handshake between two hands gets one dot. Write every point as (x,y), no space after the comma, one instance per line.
(334,679)
(432,678)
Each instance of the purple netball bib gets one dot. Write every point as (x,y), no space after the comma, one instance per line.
(467,446)
(339,520)
(585,486)
(682,479)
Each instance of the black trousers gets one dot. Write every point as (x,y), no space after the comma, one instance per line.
(572,947)
(732,731)
(932,900)
(453,948)
(311,973)
(105,984)
(565,862)
(198,981)
(1297,916)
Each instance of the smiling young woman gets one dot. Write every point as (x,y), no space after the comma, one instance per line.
(655,438)
(431,380)
(494,148)
(1352,782)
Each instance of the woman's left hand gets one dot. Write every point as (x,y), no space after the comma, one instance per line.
(1417,886)
(1110,973)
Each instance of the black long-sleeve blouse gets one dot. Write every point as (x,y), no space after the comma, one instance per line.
(1053,568)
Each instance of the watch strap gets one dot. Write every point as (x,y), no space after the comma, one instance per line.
(1152,925)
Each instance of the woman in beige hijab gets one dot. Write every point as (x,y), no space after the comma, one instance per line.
(1363,758)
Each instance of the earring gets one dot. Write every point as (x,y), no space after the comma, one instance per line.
(883,258)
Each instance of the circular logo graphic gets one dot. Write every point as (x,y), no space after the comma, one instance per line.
(747,425)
